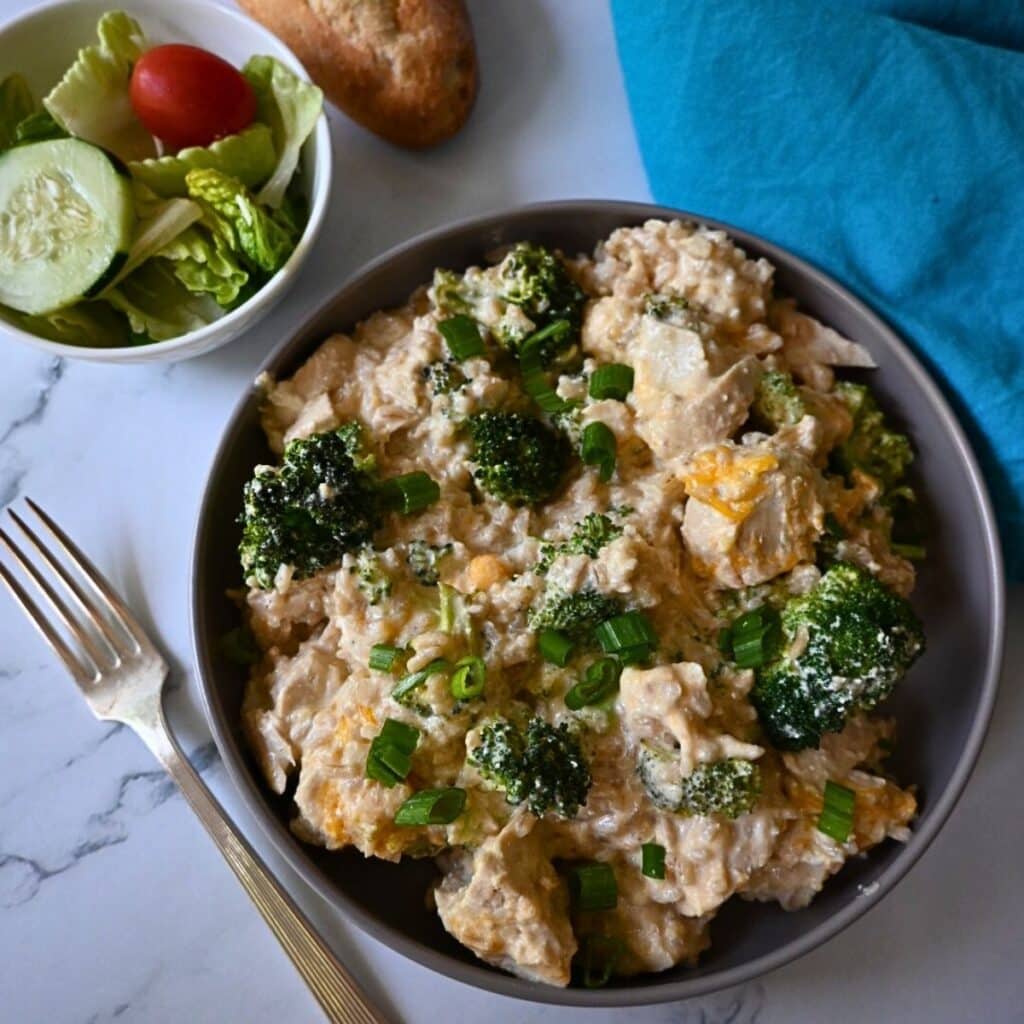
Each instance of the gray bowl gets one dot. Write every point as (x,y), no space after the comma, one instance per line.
(943,706)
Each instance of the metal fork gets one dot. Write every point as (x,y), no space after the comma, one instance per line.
(121,675)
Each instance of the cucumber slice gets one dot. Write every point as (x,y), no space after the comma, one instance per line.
(66,221)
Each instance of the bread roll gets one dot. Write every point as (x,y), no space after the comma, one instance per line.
(404,69)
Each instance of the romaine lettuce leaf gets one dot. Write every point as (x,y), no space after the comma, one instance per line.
(15,105)
(158,305)
(91,100)
(204,264)
(248,156)
(147,202)
(291,107)
(293,213)
(89,324)
(160,222)
(242,224)
(38,127)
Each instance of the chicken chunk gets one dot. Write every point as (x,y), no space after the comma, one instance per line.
(670,705)
(505,902)
(754,511)
(280,706)
(811,349)
(683,400)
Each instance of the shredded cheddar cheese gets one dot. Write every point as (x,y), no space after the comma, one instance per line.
(727,480)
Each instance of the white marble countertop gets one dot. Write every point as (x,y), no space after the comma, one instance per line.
(113,903)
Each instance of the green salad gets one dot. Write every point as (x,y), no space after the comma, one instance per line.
(115,227)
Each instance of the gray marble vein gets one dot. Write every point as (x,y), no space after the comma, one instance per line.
(11,476)
(53,371)
(13,465)
(108,731)
(138,793)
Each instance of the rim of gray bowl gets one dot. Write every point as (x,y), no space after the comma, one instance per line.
(492,979)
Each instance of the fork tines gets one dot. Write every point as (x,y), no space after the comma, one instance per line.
(108,633)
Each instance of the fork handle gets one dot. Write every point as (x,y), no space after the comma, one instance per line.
(334,988)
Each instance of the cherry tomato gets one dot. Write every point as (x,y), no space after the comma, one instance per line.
(187,96)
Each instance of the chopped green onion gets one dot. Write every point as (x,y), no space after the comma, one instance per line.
(599,682)
(463,337)
(597,959)
(630,633)
(836,818)
(389,760)
(593,886)
(383,657)
(410,492)
(653,855)
(446,607)
(554,646)
(403,736)
(597,448)
(604,670)
(395,761)
(635,655)
(451,612)
(538,387)
(914,552)
(753,636)
(530,354)
(414,680)
(613,380)
(432,807)
(725,641)
(469,678)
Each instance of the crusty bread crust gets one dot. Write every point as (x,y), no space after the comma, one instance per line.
(404,69)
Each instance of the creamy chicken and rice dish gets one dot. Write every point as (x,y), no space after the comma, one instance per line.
(584,576)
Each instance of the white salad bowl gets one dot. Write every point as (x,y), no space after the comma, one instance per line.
(42,44)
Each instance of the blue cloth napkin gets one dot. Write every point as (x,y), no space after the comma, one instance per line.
(883,140)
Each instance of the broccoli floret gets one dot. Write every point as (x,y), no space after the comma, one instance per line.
(518,459)
(852,639)
(449,293)
(673,309)
(355,441)
(589,535)
(545,768)
(528,291)
(477,294)
(730,787)
(306,513)
(908,525)
(827,547)
(424,560)
(444,376)
(535,279)
(568,421)
(873,446)
(777,401)
(373,580)
(885,455)
(499,758)
(574,614)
